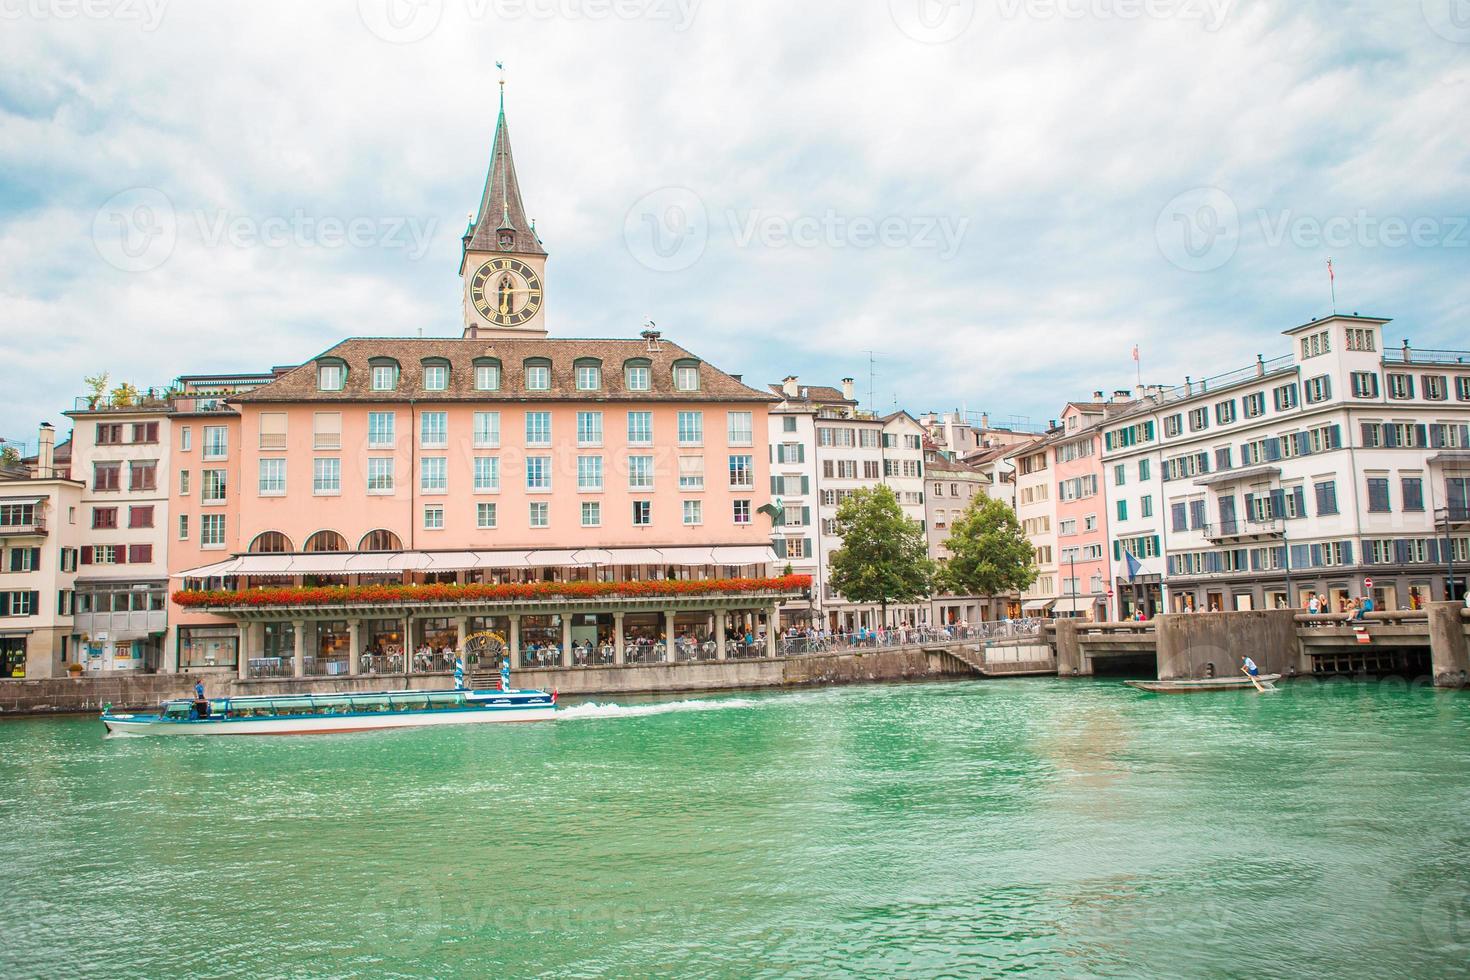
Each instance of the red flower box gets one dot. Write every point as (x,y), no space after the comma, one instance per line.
(345,595)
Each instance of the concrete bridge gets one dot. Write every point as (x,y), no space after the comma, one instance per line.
(1432,640)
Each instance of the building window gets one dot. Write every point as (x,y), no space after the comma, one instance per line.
(640,428)
(637,376)
(589,428)
(327,430)
(1361,339)
(1413,491)
(1120,475)
(329,377)
(691,428)
(487,474)
(272,430)
(1255,404)
(540,514)
(183,483)
(380,474)
(385,377)
(183,527)
(485,515)
(686,377)
(1462,388)
(640,472)
(642,513)
(739,429)
(538,473)
(1285,397)
(212,531)
(434,517)
(487,377)
(487,430)
(1199,419)
(591,513)
(788,424)
(589,472)
(1318,389)
(433,430)
(212,490)
(1143,470)
(434,474)
(1173,424)
(326,476)
(1122,510)
(104,518)
(1435,389)
(741,510)
(272,477)
(693,512)
(589,377)
(1365,384)
(1146,506)
(538,428)
(436,377)
(1378,502)
(691,472)
(1326,498)
(1400,386)
(742,472)
(538,376)
(381,430)
(143,474)
(140,516)
(216,442)
(186,438)
(1225,412)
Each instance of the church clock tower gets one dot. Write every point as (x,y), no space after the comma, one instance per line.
(503,263)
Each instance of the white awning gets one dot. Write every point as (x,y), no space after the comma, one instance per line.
(688,556)
(448,561)
(745,555)
(1037,605)
(637,556)
(595,556)
(1081,604)
(23,500)
(553,558)
(210,571)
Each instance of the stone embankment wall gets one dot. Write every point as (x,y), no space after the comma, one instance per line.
(88,694)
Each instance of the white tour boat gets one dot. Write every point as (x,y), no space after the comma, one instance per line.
(312,714)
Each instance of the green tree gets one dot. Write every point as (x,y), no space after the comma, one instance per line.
(124,395)
(98,384)
(10,456)
(989,553)
(884,557)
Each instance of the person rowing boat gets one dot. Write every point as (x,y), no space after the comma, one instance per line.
(1253,672)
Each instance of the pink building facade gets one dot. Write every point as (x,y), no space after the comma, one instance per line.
(1083,564)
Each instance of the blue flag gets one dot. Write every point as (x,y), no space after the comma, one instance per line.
(459,673)
(1133,565)
(505,674)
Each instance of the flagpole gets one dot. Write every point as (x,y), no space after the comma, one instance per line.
(1332,279)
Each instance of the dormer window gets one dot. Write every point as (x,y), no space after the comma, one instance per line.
(330,375)
(637,374)
(538,374)
(384,374)
(436,375)
(686,376)
(589,375)
(487,374)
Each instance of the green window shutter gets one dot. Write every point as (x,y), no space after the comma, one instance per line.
(775,486)
(1117,550)
(805,485)
(1157,550)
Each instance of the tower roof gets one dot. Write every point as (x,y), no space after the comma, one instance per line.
(500,204)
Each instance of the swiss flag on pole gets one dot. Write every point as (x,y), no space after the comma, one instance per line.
(1135,352)
(1330,274)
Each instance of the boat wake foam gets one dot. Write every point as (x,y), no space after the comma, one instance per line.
(594,710)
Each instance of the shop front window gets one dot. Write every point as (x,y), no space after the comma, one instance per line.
(208,646)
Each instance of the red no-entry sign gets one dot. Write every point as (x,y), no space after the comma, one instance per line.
(1367,583)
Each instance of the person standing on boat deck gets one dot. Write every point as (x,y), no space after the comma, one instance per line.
(1251,668)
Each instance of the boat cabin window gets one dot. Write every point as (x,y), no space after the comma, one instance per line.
(176,710)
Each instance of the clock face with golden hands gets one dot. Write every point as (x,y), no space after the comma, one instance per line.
(507,292)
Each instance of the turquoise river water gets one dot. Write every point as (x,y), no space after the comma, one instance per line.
(961,829)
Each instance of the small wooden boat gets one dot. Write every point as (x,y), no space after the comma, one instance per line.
(1243,682)
(313,714)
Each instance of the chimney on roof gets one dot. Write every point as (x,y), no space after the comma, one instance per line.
(1121,394)
(1260,364)
(46,452)
(1051,424)
(984,420)
(1408,354)
(1097,396)
(847,388)
(789,387)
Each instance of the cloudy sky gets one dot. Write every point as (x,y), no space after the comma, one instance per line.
(997,197)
